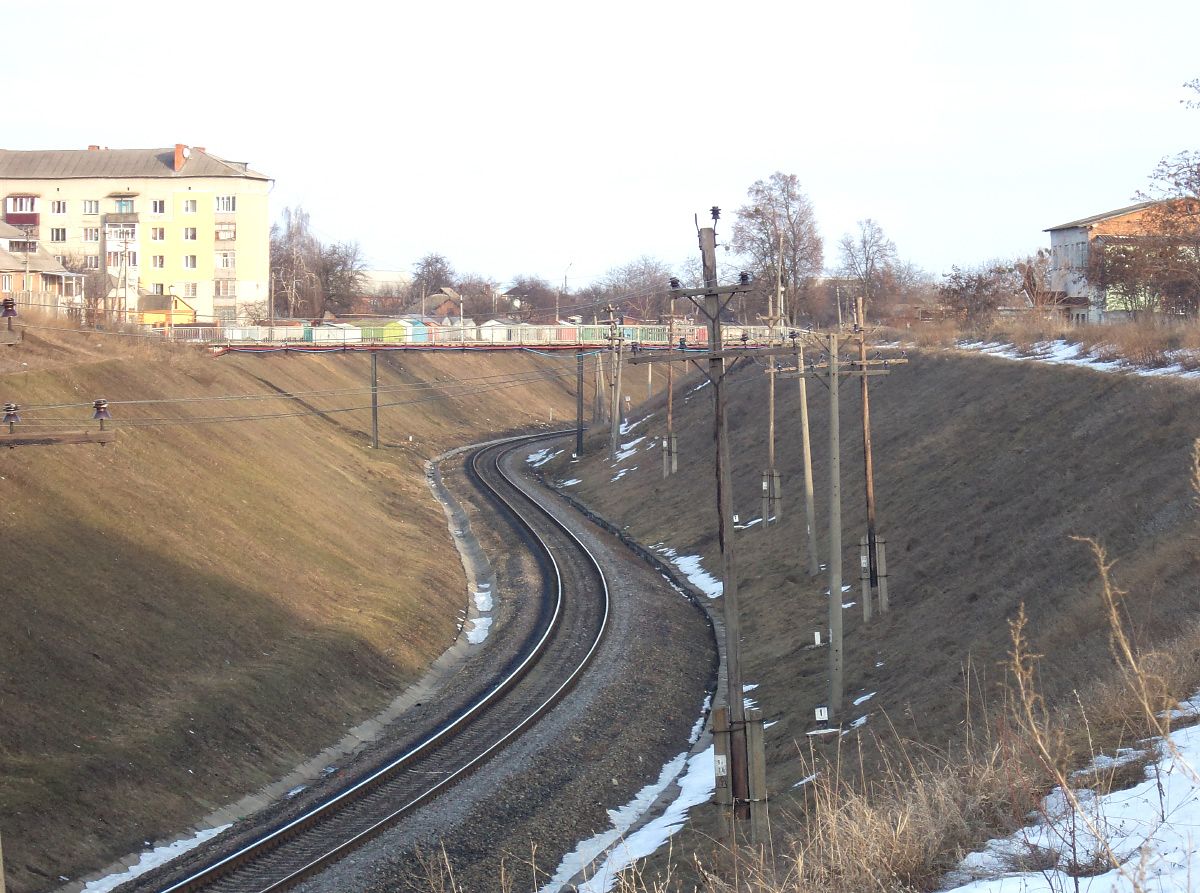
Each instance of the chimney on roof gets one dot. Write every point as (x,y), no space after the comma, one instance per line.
(181,154)
(93,148)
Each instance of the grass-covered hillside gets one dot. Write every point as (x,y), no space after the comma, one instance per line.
(985,470)
(196,608)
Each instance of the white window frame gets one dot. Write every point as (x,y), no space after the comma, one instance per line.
(225,204)
(158,261)
(91,234)
(189,206)
(225,260)
(156,288)
(58,234)
(91,262)
(190,289)
(189,261)
(158,234)
(6,282)
(22,204)
(58,206)
(91,206)
(189,234)
(158,206)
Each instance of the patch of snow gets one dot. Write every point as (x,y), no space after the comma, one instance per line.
(878,664)
(750,687)
(479,630)
(802,782)
(699,386)
(864,698)
(627,426)
(571,483)
(627,450)
(152,859)
(483,602)
(747,524)
(749,703)
(698,728)
(848,604)
(620,474)
(692,568)
(541,457)
(859,723)
(1150,828)
(696,787)
(767,725)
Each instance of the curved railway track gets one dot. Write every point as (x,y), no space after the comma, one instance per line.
(573,613)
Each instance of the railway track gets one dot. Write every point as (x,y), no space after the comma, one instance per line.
(573,613)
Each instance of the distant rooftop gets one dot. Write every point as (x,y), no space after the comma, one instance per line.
(60,164)
(1098,218)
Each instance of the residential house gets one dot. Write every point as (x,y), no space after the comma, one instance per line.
(154,310)
(177,218)
(31,276)
(1070,250)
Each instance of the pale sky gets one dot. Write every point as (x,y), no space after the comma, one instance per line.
(521,137)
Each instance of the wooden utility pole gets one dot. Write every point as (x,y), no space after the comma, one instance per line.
(374,400)
(869,469)
(725,532)
(670,448)
(614,339)
(579,402)
(810,511)
(835,535)
(598,408)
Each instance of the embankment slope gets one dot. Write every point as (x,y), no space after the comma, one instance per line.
(195,609)
(985,470)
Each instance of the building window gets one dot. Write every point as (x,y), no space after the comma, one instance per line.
(114,259)
(124,206)
(91,206)
(226,316)
(156,288)
(189,234)
(6,282)
(226,232)
(157,233)
(91,234)
(22,204)
(58,235)
(58,258)
(158,206)
(132,258)
(189,261)
(225,288)
(226,204)
(226,260)
(121,232)
(57,207)
(189,206)
(91,262)
(189,289)
(157,261)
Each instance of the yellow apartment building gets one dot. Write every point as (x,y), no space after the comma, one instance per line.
(179,221)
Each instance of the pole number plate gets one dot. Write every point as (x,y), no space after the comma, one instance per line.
(722,765)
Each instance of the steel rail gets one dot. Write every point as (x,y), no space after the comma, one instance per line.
(340,801)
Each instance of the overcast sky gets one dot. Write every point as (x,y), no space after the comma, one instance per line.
(522,137)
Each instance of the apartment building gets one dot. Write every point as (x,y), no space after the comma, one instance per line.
(179,221)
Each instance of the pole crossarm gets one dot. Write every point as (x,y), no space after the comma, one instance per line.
(707,292)
(57,437)
(732,353)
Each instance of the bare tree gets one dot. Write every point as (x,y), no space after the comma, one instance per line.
(433,271)
(867,257)
(779,209)
(476,290)
(295,261)
(641,285)
(975,293)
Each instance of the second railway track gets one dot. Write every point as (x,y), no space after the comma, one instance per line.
(572,615)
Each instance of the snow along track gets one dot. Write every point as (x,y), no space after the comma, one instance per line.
(574,612)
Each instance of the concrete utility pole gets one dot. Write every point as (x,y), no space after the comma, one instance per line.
(832,372)
(374,400)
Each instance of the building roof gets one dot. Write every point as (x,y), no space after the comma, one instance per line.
(1097,218)
(160,303)
(82,164)
(40,261)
